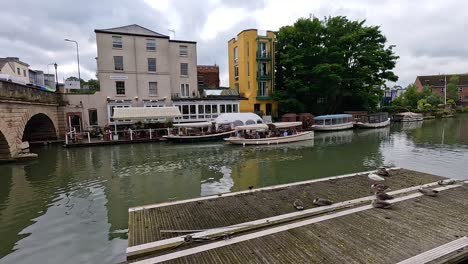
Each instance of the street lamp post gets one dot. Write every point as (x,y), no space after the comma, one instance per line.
(77,58)
(56,78)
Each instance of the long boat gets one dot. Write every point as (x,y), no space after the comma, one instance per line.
(408,117)
(375,120)
(333,122)
(275,133)
(198,132)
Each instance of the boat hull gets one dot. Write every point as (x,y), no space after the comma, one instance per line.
(307,135)
(373,125)
(333,127)
(196,139)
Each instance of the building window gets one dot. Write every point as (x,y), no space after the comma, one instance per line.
(184,90)
(153,88)
(236,71)
(118,63)
(120,88)
(183,50)
(263,69)
(117,42)
(262,89)
(248,69)
(228,108)
(236,87)
(92,115)
(24,73)
(236,55)
(18,70)
(151,64)
(150,44)
(262,48)
(222,108)
(184,69)
(235,108)
(248,85)
(248,50)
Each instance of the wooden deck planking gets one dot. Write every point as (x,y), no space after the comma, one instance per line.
(230,210)
(371,236)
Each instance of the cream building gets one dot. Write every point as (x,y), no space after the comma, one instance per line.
(136,67)
(16,68)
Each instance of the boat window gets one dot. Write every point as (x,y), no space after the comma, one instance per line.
(235,108)
(223,108)
(214,109)
(208,109)
(238,123)
(185,109)
(201,109)
(328,122)
(334,121)
(250,122)
(192,109)
(229,108)
(259,121)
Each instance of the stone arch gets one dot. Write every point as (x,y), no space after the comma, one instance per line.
(5,148)
(38,124)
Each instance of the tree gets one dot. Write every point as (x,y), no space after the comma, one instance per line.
(93,83)
(331,65)
(452,90)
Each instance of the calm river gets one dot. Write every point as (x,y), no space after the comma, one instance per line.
(70,206)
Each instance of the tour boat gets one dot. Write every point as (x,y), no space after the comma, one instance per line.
(333,122)
(199,132)
(375,120)
(408,117)
(274,133)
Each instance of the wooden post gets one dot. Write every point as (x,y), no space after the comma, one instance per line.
(89,138)
(150,133)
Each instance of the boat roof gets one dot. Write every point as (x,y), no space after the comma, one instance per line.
(286,124)
(407,114)
(198,124)
(322,117)
(252,127)
(244,118)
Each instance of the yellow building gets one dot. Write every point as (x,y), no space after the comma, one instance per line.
(251,70)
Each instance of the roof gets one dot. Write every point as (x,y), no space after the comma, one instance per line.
(323,117)
(142,113)
(134,29)
(439,80)
(252,127)
(208,68)
(199,124)
(238,118)
(286,124)
(220,92)
(11,59)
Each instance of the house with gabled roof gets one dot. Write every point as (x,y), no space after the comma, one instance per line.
(438,83)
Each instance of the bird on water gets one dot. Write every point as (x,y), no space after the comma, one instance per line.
(322,202)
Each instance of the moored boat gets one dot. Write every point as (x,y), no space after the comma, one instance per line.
(375,120)
(408,117)
(333,122)
(199,132)
(275,133)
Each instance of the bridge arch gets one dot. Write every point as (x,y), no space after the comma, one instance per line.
(38,125)
(5,150)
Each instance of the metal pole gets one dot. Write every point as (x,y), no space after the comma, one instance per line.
(445,91)
(77,58)
(89,138)
(150,133)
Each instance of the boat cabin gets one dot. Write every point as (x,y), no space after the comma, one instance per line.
(328,120)
(374,118)
(272,130)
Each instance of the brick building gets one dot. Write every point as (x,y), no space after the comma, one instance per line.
(437,84)
(208,76)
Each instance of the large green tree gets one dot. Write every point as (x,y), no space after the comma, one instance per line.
(331,65)
(452,89)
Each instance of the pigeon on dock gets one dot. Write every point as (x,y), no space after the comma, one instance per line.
(379,187)
(428,192)
(322,202)
(447,182)
(375,177)
(298,204)
(381,204)
(383,172)
(383,196)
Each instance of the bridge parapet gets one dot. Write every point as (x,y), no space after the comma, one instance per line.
(17,92)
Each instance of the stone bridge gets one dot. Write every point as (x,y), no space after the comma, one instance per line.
(26,115)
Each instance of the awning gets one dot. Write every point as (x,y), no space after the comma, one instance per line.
(199,124)
(142,113)
(252,127)
(286,124)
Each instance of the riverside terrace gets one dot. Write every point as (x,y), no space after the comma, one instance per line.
(262,226)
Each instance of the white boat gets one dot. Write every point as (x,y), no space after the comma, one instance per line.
(333,122)
(375,120)
(408,117)
(199,132)
(273,134)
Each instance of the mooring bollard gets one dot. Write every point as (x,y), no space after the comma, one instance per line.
(66,138)
(150,134)
(89,138)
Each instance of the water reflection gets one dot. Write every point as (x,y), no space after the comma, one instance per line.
(70,206)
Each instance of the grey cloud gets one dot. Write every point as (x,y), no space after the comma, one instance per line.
(246,4)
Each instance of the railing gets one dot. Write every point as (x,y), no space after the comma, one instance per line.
(115,135)
(261,76)
(263,55)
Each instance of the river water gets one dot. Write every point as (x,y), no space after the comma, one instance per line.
(70,205)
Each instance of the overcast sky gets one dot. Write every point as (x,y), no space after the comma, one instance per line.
(430,36)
